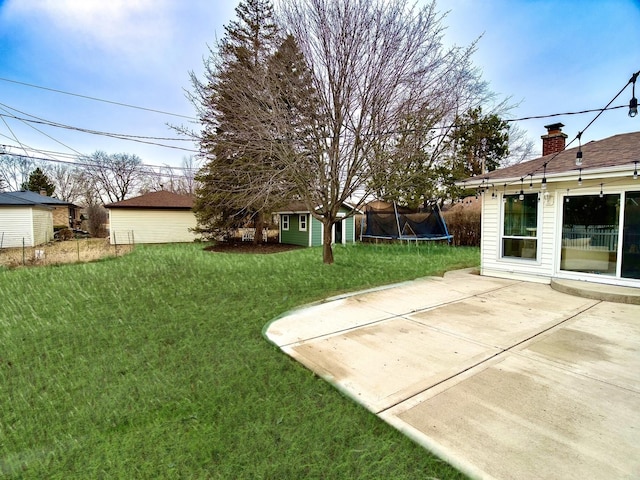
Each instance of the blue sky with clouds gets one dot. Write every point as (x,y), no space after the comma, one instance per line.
(547,56)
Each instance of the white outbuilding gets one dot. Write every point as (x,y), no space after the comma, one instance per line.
(24,222)
(156,217)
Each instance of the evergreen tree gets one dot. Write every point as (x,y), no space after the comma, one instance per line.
(39,182)
(481,142)
(236,183)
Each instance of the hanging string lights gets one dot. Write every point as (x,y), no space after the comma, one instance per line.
(579,153)
(635,170)
(633,103)
(521,196)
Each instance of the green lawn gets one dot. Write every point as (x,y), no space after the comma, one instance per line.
(153,365)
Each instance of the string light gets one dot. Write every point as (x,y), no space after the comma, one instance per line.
(567,197)
(521,196)
(531,182)
(601,193)
(579,153)
(544,178)
(635,170)
(580,178)
(633,103)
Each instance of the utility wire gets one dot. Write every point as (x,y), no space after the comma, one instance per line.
(97,99)
(131,138)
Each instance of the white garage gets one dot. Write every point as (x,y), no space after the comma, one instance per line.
(24,222)
(156,217)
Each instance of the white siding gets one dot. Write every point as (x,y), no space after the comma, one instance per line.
(151,226)
(42,226)
(15,225)
(550,227)
(491,261)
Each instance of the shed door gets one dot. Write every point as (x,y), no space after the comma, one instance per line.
(337,233)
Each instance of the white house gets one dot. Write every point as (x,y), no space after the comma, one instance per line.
(24,222)
(570,214)
(156,217)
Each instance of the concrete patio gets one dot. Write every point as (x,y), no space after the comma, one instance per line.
(501,378)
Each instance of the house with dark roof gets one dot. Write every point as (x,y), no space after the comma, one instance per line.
(156,217)
(24,220)
(64,213)
(570,214)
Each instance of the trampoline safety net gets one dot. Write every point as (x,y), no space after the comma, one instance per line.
(391,224)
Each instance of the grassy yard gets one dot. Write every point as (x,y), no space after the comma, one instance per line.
(153,365)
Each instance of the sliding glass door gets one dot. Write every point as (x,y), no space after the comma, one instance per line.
(631,236)
(591,225)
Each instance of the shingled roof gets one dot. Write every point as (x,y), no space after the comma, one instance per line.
(612,154)
(26,197)
(160,200)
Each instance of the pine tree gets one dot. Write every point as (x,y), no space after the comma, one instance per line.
(39,182)
(236,184)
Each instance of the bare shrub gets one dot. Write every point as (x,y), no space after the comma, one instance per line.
(464,225)
(97,219)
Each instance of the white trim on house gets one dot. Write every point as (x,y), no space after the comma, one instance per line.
(302,222)
(284,221)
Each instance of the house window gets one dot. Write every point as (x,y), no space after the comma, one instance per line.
(302,223)
(520,227)
(590,226)
(285,222)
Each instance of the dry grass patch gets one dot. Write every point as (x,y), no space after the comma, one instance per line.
(68,251)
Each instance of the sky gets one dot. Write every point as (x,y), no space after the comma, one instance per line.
(545,56)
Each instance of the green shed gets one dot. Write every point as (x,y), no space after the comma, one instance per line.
(298,227)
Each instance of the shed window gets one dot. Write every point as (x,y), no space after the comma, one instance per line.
(520,227)
(302,223)
(285,222)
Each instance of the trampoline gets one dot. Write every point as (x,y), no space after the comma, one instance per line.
(390,224)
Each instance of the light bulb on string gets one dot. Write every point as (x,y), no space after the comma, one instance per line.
(635,170)
(633,103)
(579,153)
(543,186)
(531,182)
(601,192)
(521,196)
(580,178)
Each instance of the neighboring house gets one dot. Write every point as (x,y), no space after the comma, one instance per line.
(298,227)
(157,217)
(570,214)
(64,213)
(24,222)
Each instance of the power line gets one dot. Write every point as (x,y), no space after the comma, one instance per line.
(86,130)
(81,163)
(97,99)
(131,138)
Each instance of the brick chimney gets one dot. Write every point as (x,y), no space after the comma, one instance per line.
(554,140)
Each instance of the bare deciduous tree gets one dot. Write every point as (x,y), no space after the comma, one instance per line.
(377,67)
(15,170)
(68,182)
(114,177)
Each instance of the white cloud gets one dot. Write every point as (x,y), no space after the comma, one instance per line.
(120,26)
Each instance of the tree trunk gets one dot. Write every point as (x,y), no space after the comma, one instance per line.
(259,224)
(327,251)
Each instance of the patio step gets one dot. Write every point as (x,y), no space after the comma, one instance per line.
(597,291)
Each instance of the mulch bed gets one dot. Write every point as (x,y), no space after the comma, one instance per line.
(249,247)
